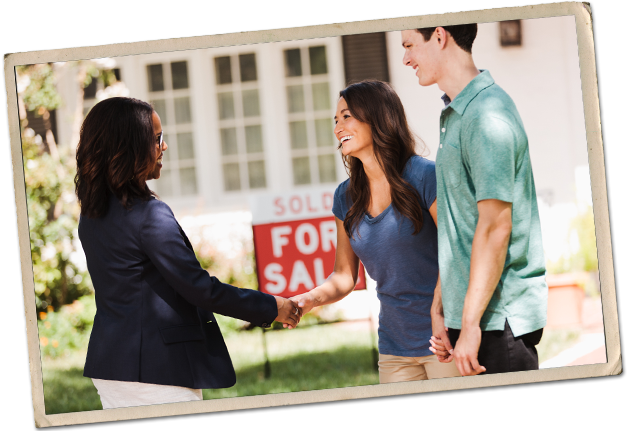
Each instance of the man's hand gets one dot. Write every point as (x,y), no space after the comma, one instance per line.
(466,351)
(288,312)
(441,346)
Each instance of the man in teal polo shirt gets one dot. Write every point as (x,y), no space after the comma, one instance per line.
(492,269)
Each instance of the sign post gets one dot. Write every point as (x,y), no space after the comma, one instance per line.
(294,235)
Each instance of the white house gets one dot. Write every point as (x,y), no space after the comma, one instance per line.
(249,120)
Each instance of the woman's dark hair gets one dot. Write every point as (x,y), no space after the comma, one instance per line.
(115,155)
(376,104)
(463,34)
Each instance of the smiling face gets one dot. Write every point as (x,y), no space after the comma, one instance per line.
(156,172)
(421,55)
(354,137)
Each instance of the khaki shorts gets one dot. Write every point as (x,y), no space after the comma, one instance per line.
(407,369)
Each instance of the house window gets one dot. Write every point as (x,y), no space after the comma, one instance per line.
(310,125)
(365,56)
(169,92)
(240,122)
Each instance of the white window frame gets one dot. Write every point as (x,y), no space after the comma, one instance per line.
(240,122)
(335,79)
(173,163)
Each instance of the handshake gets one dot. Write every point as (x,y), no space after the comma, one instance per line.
(290,310)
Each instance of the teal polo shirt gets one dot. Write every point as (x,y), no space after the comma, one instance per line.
(483,154)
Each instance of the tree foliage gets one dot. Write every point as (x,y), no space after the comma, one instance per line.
(582,235)
(41,92)
(53,222)
(52,207)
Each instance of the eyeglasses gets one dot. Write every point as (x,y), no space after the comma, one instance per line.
(160,141)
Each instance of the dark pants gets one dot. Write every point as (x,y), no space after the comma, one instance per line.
(501,352)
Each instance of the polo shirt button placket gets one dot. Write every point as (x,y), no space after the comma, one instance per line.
(443,130)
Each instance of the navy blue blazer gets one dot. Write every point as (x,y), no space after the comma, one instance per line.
(154,302)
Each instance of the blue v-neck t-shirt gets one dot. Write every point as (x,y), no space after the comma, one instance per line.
(405,266)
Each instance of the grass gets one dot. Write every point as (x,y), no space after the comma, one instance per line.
(308,358)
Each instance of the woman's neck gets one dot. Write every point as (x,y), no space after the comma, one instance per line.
(372,168)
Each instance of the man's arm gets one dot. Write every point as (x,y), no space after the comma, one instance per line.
(441,346)
(488,255)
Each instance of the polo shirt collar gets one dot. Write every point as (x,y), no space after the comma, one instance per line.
(477,84)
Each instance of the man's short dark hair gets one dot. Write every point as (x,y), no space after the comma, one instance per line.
(463,35)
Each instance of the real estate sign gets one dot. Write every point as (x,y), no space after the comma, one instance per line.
(295,241)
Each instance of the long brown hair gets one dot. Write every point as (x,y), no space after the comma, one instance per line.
(376,104)
(115,155)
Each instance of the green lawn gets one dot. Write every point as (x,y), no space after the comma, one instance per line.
(316,357)
(307,358)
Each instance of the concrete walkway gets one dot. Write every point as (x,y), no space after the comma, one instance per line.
(578,400)
(587,399)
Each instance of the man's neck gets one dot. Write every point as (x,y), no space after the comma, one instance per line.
(458,71)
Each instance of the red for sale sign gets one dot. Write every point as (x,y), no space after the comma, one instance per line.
(295,241)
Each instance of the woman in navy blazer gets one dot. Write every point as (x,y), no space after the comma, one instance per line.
(154,323)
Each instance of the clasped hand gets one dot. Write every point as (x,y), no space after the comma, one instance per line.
(292,309)
(288,312)
(465,352)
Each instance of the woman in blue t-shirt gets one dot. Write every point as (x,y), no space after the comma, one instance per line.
(386,218)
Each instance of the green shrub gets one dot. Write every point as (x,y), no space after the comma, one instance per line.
(581,228)
(67,329)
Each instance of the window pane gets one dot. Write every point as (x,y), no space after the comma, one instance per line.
(89,92)
(296,99)
(250,103)
(179,71)
(188,181)
(228,141)
(182,110)
(253,139)
(324,133)
(292,59)
(164,183)
(160,107)
(155,77)
(231,174)
(320,95)
(257,175)
(248,71)
(185,146)
(327,168)
(225,106)
(223,70)
(318,60)
(298,134)
(301,170)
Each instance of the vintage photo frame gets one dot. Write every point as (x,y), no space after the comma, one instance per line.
(596,164)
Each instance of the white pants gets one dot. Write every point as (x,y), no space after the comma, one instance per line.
(115,394)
